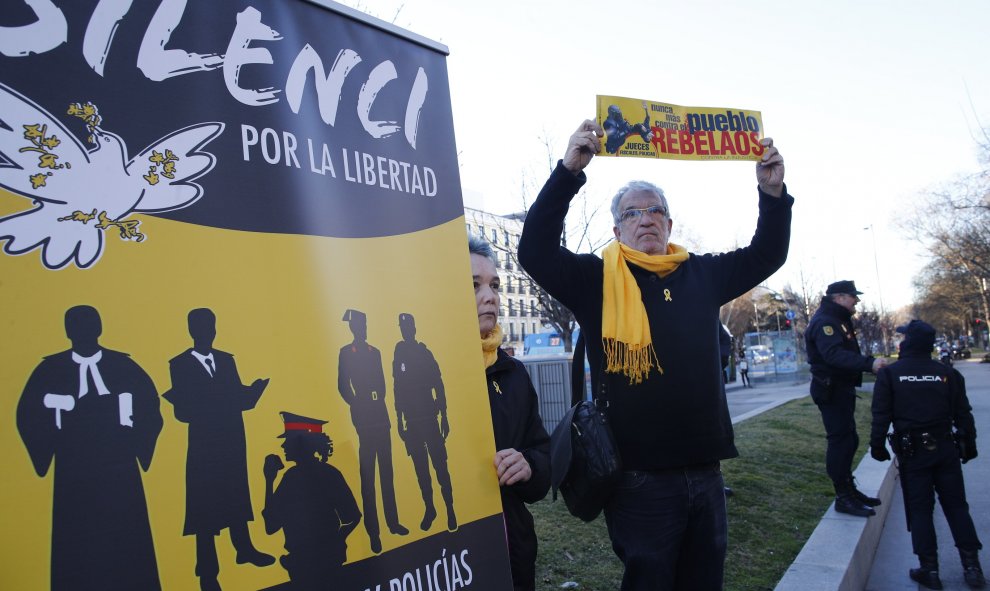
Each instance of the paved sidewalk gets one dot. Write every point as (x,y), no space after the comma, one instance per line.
(747,402)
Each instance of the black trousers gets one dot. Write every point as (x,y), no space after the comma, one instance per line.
(924,474)
(375,451)
(838,412)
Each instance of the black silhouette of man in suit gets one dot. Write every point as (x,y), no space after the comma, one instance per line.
(361,382)
(208,395)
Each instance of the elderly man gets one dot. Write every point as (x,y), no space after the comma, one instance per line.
(649,312)
(837,368)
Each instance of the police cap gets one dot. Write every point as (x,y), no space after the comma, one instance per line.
(918,335)
(406,319)
(844,286)
(350,315)
(297,424)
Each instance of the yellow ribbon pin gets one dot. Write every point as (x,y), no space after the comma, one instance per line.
(666,295)
(495,385)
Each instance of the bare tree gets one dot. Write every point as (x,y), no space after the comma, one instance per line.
(579,235)
(954,221)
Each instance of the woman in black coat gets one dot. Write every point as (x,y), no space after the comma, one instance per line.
(522,461)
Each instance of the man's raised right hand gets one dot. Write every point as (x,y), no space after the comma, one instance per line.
(583,145)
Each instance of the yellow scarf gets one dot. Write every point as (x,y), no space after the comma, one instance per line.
(625,326)
(489,346)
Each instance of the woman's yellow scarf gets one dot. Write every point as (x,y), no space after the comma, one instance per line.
(489,346)
(625,326)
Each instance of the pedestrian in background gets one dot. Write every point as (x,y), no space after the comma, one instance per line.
(925,401)
(744,372)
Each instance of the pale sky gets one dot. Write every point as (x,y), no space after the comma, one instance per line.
(869,101)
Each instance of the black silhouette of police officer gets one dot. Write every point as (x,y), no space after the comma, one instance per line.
(361,382)
(419,401)
(95,413)
(313,505)
(208,395)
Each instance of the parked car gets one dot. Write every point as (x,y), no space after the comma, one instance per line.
(961,352)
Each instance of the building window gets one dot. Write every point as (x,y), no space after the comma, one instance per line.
(512,308)
(534,328)
(494,236)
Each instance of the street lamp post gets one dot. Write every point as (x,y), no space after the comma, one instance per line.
(876,268)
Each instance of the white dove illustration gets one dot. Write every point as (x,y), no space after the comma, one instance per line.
(81,194)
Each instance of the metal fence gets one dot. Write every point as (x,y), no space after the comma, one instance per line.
(551,376)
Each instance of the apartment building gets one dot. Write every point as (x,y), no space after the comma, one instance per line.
(520,314)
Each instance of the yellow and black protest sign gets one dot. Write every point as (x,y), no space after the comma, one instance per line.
(651,129)
(221,224)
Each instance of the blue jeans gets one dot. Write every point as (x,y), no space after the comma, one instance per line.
(669,529)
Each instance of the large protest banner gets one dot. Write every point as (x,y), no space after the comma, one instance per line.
(650,129)
(183,185)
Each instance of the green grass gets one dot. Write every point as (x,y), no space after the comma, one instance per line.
(781,493)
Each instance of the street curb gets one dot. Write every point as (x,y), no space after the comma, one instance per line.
(839,554)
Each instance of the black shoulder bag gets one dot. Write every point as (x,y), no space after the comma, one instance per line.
(584,460)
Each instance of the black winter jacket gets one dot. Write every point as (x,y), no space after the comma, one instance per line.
(680,417)
(918,393)
(833,351)
(517,424)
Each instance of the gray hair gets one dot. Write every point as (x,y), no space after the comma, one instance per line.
(478,245)
(636,186)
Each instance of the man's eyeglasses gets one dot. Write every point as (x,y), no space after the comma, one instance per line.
(654,211)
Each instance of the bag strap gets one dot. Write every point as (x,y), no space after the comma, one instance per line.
(577,371)
(577,378)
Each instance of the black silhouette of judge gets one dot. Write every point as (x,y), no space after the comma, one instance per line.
(208,395)
(313,505)
(419,400)
(361,382)
(95,412)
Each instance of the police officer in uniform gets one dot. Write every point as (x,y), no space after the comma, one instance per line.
(313,505)
(924,400)
(419,400)
(361,382)
(836,370)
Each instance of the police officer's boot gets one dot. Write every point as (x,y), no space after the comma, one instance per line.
(927,573)
(972,571)
(429,514)
(862,497)
(846,502)
(448,500)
